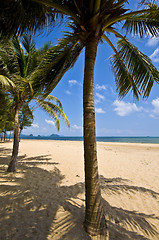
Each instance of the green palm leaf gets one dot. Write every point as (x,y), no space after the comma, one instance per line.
(144,24)
(133,70)
(57,61)
(51,112)
(15,16)
(6,83)
(53,109)
(9,64)
(28,43)
(56,100)
(19,53)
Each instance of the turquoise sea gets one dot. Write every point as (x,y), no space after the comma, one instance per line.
(99,139)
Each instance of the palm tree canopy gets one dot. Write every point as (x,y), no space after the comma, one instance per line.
(17,64)
(133,70)
(6,116)
(15,16)
(94,18)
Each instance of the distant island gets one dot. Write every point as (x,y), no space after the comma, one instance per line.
(31,136)
(144,139)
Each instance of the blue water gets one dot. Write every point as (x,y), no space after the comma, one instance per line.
(99,139)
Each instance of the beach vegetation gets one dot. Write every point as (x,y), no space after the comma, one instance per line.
(6,117)
(17,62)
(26,117)
(91,23)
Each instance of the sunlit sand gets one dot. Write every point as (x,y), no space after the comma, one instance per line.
(44,199)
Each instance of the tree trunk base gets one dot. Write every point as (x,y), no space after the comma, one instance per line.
(12,166)
(97,231)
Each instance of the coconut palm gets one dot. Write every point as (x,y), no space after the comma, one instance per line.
(92,22)
(6,117)
(26,117)
(16,67)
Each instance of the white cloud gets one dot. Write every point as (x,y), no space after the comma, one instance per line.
(97,101)
(99,110)
(123,109)
(152,41)
(155,55)
(50,122)
(77,127)
(68,92)
(100,87)
(155,111)
(72,82)
(35,125)
(100,96)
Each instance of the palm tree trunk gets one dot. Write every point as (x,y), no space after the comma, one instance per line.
(95,222)
(13,163)
(20,131)
(9,135)
(4,136)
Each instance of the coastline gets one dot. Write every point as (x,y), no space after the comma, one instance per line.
(148,139)
(45,198)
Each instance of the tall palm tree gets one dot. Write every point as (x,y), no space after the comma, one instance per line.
(16,67)
(92,22)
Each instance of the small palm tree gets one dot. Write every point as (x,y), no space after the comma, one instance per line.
(92,22)
(6,117)
(16,67)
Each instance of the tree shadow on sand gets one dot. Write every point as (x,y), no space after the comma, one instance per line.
(120,219)
(34,204)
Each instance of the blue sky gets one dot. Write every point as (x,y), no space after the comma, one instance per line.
(114,117)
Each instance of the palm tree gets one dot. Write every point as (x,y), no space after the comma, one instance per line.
(92,22)
(26,117)
(6,117)
(16,67)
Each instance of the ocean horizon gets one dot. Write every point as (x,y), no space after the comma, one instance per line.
(147,139)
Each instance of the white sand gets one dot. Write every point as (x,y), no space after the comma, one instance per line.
(45,198)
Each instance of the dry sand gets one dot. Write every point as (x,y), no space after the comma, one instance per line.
(44,200)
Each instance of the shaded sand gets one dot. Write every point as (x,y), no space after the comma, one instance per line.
(44,200)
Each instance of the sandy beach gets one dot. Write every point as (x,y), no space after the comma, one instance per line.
(44,199)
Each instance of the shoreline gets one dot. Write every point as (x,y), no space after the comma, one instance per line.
(98,142)
(140,140)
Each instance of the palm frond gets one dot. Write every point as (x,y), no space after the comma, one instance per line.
(144,24)
(35,57)
(8,61)
(57,61)
(22,16)
(28,43)
(59,111)
(51,107)
(56,100)
(19,53)
(27,109)
(133,70)
(120,3)
(63,7)
(50,111)
(44,48)
(6,83)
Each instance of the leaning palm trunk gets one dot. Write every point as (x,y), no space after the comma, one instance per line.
(94,217)
(13,163)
